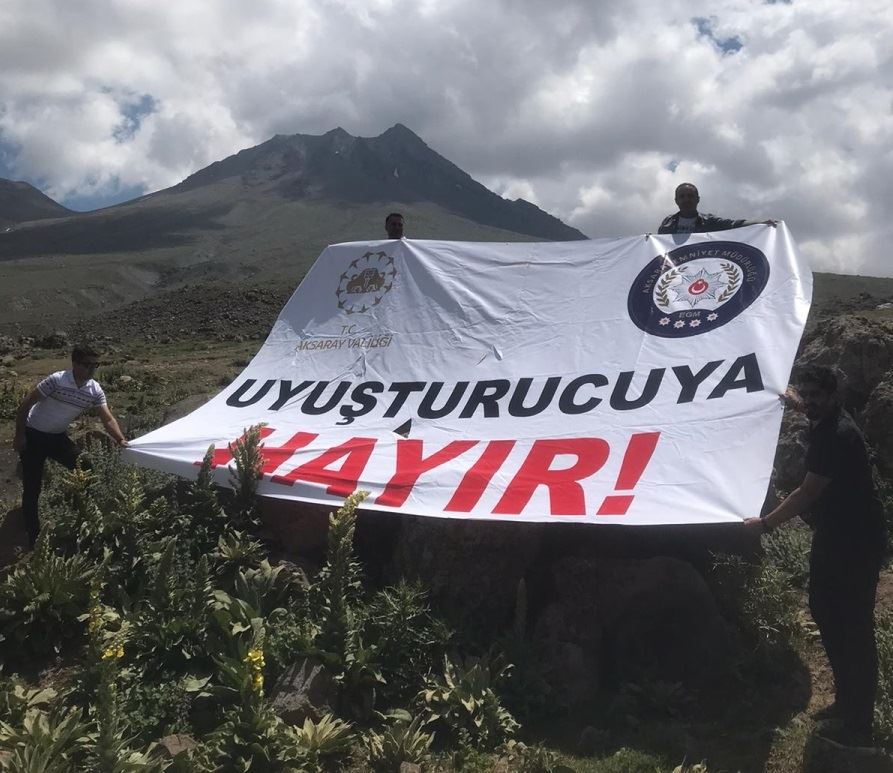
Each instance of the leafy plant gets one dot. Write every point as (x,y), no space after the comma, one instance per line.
(407,639)
(330,737)
(41,600)
(532,759)
(405,740)
(11,396)
(16,701)
(463,700)
(249,464)
(759,600)
(338,588)
(787,549)
(50,742)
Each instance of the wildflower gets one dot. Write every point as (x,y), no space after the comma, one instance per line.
(113,652)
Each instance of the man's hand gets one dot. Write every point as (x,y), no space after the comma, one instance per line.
(791,399)
(18,443)
(755,526)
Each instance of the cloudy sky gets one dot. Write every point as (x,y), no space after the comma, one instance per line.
(593,110)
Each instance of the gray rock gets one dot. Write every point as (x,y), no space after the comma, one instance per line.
(822,755)
(859,348)
(410,767)
(170,746)
(624,619)
(790,453)
(877,420)
(305,689)
(55,340)
(472,568)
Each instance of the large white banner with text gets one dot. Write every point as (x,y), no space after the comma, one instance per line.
(624,381)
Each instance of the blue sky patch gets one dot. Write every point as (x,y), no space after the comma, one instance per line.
(706,29)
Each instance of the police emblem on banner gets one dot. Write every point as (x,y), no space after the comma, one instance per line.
(697,288)
(365,282)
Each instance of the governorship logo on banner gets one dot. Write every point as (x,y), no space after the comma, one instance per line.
(367,280)
(697,288)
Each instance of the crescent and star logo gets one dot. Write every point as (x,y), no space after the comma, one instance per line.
(697,288)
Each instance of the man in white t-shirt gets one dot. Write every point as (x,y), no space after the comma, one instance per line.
(688,220)
(42,426)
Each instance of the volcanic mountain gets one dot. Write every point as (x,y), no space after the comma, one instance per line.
(264,213)
(20,202)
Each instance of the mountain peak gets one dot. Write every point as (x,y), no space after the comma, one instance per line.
(21,202)
(396,166)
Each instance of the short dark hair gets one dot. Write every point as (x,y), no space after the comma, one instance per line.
(81,351)
(819,375)
(687,185)
(393,214)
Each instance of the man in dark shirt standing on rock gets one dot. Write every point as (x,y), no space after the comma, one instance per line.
(688,220)
(847,548)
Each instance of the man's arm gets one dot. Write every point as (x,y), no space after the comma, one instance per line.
(111,425)
(773,223)
(31,399)
(797,502)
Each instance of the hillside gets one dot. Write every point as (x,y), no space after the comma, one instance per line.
(264,214)
(21,202)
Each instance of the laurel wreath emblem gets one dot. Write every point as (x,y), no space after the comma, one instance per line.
(663,299)
(734,276)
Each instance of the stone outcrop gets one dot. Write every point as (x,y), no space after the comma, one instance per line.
(861,350)
(877,421)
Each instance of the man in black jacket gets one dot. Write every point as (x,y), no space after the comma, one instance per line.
(838,499)
(688,220)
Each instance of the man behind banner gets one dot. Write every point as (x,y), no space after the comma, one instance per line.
(42,426)
(688,220)
(847,547)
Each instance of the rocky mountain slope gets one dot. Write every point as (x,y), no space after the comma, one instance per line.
(21,202)
(264,213)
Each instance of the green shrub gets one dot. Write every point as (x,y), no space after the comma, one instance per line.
(53,742)
(42,600)
(463,700)
(323,741)
(16,701)
(11,396)
(758,599)
(408,640)
(787,549)
(405,740)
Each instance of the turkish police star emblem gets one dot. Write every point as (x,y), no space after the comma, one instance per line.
(697,288)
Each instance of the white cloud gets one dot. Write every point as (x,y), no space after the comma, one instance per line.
(584,108)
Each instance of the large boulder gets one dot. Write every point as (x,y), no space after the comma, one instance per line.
(472,568)
(613,620)
(789,466)
(858,348)
(877,421)
(306,689)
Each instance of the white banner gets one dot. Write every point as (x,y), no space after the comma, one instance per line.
(625,381)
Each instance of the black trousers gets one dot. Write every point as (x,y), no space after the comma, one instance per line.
(40,446)
(842,586)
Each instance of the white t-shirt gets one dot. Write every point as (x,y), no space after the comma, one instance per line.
(685,225)
(63,402)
